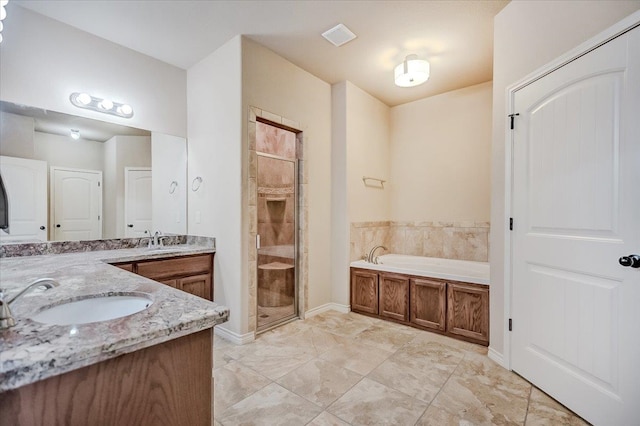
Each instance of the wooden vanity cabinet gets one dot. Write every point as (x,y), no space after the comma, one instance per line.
(394,297)
(428,303)
(456,309)
(193,274)
(364,291)
(468,311)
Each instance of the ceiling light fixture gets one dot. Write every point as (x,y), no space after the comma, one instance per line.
(411,72)
(86,101)
(75,134)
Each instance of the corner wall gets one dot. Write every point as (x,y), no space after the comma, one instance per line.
(214,94)
(527,35)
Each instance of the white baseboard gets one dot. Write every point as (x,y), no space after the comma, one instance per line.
(345,309)
(238,339)
(496,357)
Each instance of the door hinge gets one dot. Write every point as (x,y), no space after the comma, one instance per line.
(99,182)
(98,217)
(512,116)
(510,224)
(510,324)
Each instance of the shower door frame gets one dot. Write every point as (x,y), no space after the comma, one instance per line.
(296,262)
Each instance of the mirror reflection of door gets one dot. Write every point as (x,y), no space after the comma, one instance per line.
(26,185)
(76,204)
(137,201)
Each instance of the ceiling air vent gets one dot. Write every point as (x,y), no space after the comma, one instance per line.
(339,35)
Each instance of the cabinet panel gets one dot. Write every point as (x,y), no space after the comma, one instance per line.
(170,283)
(179,266)
(394,297)
(468,311)
(199,285)
(125,266)
(364,291)
(428,303)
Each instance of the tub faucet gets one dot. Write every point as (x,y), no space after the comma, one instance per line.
(371,258)
(6,316)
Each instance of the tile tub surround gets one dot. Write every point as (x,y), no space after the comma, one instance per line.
(32,351)
(60,247)
(447,240)
(349,369)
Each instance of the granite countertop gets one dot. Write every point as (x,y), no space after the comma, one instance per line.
(32,351)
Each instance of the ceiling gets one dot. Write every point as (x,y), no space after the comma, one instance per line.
(455,36)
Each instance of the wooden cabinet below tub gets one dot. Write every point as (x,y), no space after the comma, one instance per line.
(193,274)
(394,296)
(364,291)
(428,303)
(456,309)
(468,311)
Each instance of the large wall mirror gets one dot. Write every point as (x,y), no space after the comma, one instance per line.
(74,178)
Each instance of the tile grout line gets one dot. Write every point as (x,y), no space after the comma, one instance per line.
(526,414)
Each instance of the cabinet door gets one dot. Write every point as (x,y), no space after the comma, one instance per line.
(199,285)
(170,283)
(364,291)
(468,311)
(394,297)
(428,303)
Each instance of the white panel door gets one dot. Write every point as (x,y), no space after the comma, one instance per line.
(576,209)
(76,200)
(26,184)
(137,201)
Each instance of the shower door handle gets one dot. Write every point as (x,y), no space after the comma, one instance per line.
(258,241)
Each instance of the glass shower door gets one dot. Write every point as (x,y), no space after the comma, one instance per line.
(277,290)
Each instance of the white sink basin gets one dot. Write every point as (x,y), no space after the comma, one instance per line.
(93,309)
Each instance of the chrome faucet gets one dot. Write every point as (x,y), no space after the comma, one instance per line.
(156,239)
(370,258)
(6,316)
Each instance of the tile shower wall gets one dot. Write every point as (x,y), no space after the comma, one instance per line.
(449,240)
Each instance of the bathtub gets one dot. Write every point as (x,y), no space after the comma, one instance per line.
(433,267)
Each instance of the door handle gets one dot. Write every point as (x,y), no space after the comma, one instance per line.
(58,225)
(130,225)
(633,260)
(42,228)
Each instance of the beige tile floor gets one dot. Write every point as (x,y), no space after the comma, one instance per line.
(349,369)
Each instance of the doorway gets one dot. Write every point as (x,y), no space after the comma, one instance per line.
(137,201)
(276,225)
(76,204)
(575,209)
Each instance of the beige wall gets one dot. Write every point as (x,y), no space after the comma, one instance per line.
(527,35)
(368,127)
(360,147)
(440,157)
(274,84)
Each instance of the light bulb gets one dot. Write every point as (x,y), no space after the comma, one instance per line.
(75,134)
(0,37)
(1,26)
(125,109)
(3,3)
(106,104)
(3,13)
(84,99)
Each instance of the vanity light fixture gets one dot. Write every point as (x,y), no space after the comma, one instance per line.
(3,14)
(75,134)
(86,101)
(411,72)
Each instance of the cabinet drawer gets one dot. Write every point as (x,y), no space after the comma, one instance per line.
(177,267)
(125,266)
